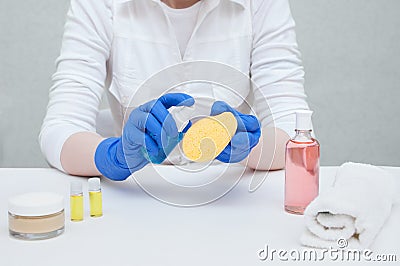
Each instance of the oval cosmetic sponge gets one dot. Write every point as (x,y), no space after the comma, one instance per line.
(208,137)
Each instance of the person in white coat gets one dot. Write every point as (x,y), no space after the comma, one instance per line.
(115,46)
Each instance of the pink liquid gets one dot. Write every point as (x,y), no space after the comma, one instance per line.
(301,174)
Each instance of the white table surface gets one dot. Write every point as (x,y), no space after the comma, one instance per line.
(136,229)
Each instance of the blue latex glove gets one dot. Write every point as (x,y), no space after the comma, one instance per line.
(149,135)
(246,137)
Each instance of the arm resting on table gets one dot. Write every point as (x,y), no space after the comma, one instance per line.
(77,154)
(265,156)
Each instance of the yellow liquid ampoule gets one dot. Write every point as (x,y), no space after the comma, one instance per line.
(96,205)
(95,197)
(76,207)
(76,201)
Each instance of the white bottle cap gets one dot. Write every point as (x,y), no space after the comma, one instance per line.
(94,184)
(76,187)
(303,120)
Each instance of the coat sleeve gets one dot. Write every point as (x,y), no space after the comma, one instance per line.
(78,83)
(276,67)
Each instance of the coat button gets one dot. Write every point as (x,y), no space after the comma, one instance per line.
(125,100)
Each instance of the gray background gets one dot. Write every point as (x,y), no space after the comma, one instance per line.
(350,53)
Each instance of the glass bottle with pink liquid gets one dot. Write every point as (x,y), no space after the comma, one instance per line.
(302,166)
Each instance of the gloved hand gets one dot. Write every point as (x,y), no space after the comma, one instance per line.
(246,137)
(150,134)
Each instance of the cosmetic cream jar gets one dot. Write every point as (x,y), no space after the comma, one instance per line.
(35,216)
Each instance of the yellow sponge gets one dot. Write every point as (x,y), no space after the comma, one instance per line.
(208,137)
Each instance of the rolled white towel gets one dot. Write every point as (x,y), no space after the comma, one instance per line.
(354,209)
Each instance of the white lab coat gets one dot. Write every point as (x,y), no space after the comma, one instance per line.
(118,46)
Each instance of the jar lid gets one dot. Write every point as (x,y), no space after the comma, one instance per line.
(36,204)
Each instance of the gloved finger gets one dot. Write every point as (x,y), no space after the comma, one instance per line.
(220,107)
(228,155)
(189,124)
(147,106)
(245,122)
(147,123)
(150,145)
(244,140)
(136,137)
(161,113)
(248,122)
(176,99)
(241,141)
(156,131)
(225,155)
(239,147)
(137,118)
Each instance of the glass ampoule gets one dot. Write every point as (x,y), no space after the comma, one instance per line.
(301,166)
(76,201)
(95,197)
